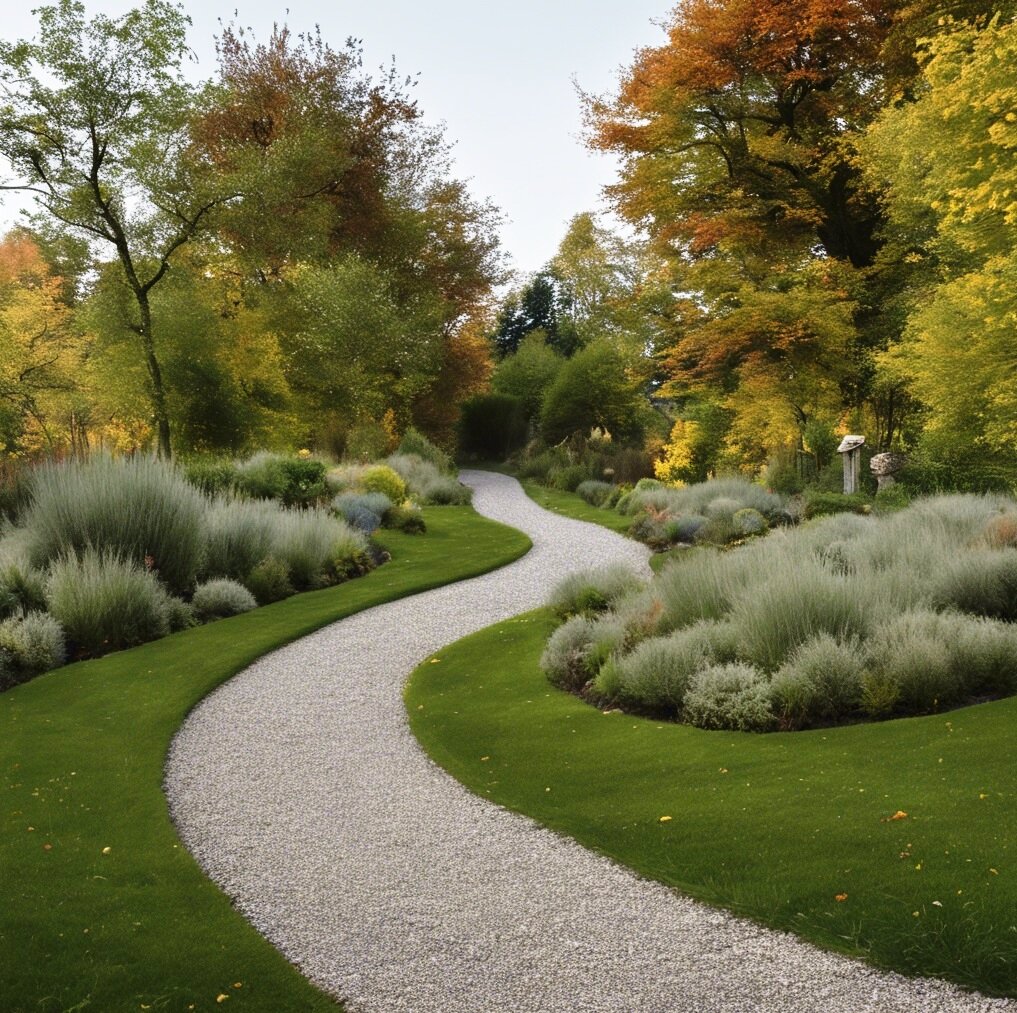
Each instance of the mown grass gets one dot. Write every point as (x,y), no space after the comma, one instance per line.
(568,504)
(773,827)
(103,909)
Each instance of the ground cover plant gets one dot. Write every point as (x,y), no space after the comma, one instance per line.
(893,842)
(844,619)
(103,908)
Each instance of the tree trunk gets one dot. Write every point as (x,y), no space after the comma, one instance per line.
(162,424)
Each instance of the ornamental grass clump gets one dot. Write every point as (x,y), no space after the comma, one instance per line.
(820,682)
(657,673)
(239,534)
(221,598)
(105,602)
(317,547)
(140,509)
(592,591)
(774,617)
(417,444)
(22,589)
(594,491)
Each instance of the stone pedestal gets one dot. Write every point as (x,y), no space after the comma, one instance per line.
(885,468)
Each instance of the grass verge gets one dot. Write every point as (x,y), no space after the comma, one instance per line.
(569,504)
(802,831)
(103,908)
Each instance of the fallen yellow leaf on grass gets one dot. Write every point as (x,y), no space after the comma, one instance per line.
(840,897)
(899,815)
(664,819)
(221,997)
(106,851)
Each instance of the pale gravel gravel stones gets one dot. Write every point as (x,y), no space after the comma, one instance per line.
(300,790)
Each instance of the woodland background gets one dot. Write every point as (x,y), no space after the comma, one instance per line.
(823,202)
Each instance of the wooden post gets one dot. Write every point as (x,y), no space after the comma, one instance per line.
(851,448)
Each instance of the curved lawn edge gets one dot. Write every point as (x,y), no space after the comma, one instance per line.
(570,504)
(103,907)
(795,831)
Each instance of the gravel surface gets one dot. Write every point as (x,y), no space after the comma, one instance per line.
(300,790)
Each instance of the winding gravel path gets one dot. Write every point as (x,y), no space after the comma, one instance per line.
(299,788)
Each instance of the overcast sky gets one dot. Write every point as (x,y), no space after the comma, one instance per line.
(499,75)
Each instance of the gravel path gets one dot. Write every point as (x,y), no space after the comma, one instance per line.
(299,788)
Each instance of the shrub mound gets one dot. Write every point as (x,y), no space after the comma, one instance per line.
(847,618)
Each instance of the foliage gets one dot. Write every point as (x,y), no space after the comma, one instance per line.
(385,480)
(269,581)
(592,390)
(316,547)
(492,425)
(417,444)
(139,508)
(22,589)
(528,372)
(292,480)
(594,492)
(212,475)
(820,683)
(407,519)
(220,598)
(364,511)
(426,483)
(566,659)
(117,115)
(239,534)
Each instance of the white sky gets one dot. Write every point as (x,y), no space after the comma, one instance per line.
(498,75)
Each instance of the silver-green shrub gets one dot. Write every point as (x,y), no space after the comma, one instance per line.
(221,598)
(980,581)
(362,510)
(735,696)
(138,508)
(105,602)
(566,657)
(33,643)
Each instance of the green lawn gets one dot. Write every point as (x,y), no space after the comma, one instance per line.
(774,827)
(103,909)
(570,505)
